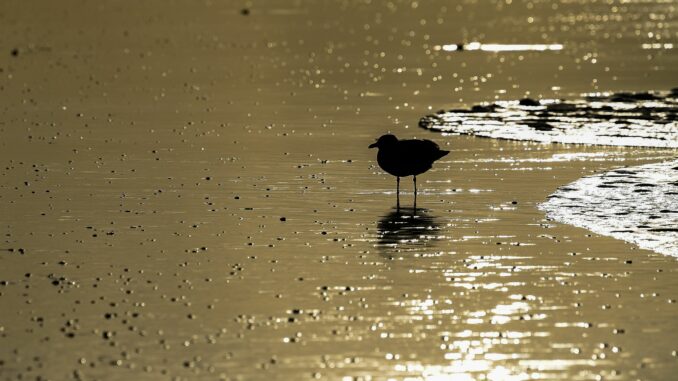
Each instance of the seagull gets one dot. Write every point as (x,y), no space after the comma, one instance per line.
(402,158)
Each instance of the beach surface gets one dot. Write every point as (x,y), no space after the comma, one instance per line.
(187,193)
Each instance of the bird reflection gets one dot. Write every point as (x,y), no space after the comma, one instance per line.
(407,228)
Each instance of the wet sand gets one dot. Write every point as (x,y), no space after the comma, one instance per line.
(187,193)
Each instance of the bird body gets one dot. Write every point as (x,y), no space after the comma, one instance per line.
(410,157)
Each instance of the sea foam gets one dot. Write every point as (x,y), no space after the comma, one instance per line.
(634,204)
(621,119)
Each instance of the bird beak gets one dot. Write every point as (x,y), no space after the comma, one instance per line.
(372,145)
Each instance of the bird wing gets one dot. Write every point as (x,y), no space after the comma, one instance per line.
(422,148)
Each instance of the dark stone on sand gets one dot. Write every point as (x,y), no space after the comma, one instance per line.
(633,97)
(14,52)
(245,11)
(426,122)
(540,125)
(529,102)
(561,107)
(283,219)
(481,108)
(663,230)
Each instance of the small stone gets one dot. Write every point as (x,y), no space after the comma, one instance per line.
(528,102)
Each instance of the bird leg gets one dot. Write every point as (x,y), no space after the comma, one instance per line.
(398,193)
(415,192)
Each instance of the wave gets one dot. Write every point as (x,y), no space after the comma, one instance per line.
(621,119)
(634,204)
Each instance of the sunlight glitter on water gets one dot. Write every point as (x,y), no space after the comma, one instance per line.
(474,362)
(657,46)
(497,48)
(470,368)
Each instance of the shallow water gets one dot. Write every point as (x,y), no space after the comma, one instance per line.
(187,193)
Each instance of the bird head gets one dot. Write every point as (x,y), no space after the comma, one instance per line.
(384,140)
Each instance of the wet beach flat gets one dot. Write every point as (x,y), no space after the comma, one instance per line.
(186,193)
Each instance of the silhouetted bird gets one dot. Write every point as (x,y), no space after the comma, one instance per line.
(403,158)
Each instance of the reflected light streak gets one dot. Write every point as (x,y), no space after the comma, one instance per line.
(500,47)
(469,353)
(657,46)
(484,352)
(461,370)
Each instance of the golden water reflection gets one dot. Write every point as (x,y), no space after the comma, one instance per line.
(408,228)
(479,340)
(490,343)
